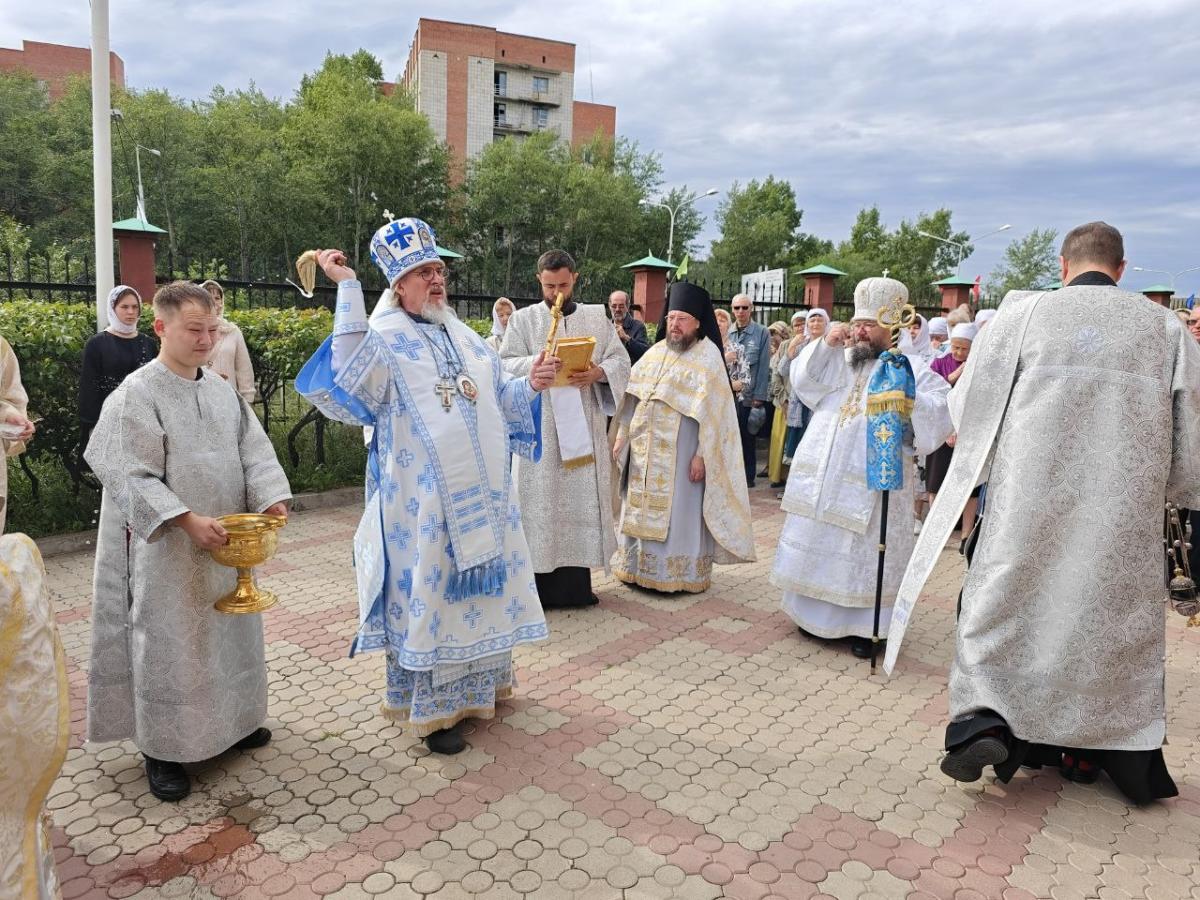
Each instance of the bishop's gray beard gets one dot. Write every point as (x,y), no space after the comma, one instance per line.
(684,344)
(857,354)
(437,313)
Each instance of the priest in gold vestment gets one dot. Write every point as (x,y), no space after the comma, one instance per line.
(35,722)
(676,443)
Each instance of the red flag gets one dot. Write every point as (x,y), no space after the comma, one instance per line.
(975,290)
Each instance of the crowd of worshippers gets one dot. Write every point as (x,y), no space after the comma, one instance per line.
(498,479)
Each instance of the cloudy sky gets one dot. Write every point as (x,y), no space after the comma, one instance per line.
(1022,112)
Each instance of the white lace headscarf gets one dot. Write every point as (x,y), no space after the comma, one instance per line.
(115,325)
(497,325)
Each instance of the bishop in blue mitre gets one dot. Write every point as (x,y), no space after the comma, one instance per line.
(445,584)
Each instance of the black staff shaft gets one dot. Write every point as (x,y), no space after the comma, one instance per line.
(883,518)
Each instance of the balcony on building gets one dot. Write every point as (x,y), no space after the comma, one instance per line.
(544,90)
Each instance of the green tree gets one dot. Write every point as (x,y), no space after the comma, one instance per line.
(65,185)
(523,197)
(868,236)
(24,116)
(919,261)
(244,164)
(350,152)
(759,227)
(1029,263)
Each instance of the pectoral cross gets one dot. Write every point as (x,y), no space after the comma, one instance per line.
(445,388)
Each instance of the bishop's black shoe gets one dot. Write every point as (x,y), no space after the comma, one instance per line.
(259,737)
(446,741)
(861,647)
(966,762)
(168,781)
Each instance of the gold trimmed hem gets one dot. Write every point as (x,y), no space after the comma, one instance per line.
(692,587)
(579,462)
(426,728)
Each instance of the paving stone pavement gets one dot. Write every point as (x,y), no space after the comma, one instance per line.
(655,748)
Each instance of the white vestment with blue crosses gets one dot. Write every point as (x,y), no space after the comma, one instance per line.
(445,583)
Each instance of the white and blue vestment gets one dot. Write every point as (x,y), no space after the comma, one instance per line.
(445,583)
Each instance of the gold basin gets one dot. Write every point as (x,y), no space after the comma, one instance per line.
(252,541)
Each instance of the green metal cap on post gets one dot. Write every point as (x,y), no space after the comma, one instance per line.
(649,262)
(136,225)
(822,269)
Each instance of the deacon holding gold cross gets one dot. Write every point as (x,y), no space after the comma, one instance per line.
(566,497)
(827,552)
(445,584)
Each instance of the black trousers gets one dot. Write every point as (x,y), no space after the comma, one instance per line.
(749,459)
(568,587)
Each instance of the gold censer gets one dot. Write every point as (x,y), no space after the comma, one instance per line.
(253,539)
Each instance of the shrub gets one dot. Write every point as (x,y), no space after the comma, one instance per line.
(49,491)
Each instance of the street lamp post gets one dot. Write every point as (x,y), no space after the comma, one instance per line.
(141,197)
(1171,275)
(101,160)
(689,199)
(962,245)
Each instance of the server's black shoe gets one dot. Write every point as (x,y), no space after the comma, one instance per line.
(259,737)
(168,781)
(967,762)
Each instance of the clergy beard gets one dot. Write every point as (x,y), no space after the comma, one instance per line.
(859,353)
(435,313)
(684,344)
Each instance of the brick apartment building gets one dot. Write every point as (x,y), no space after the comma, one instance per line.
(477,84)
(53,64)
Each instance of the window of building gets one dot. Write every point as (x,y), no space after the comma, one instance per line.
(541,84)
(541,117)
(501,82)
(500,111)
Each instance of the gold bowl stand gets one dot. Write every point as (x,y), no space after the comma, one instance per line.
(252,541)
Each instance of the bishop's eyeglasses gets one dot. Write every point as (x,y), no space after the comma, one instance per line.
(427,274)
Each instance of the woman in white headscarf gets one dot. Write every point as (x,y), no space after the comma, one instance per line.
(229,357)
(816,321)
(915,342)
(779,392)
(110,356)
(501,310)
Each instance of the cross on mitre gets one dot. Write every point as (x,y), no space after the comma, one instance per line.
(387,214)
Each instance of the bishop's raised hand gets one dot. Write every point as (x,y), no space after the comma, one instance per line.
(333,263)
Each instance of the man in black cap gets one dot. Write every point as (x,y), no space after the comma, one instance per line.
(685,503)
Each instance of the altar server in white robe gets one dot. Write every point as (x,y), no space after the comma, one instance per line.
(175,447)
(825,562)
(445,585)
(686,505)
(566,496)
(1081,409)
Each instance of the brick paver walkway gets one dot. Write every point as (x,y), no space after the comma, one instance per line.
(692,748)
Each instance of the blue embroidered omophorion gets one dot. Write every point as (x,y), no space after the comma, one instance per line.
(891,394)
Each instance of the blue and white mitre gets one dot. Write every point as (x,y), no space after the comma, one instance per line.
(401,245)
